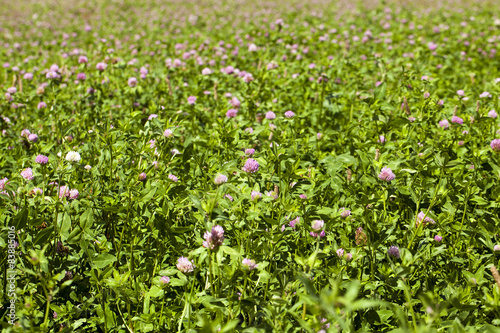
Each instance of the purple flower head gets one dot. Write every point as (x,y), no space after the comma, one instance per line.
(381,139)
(184,265)
(289,114)
(444,124)
(229,197)
(270,115)
(220,179)
(249,151)
(143,177)
(426,95)
(496,248)
(460,93)
(168,133)
(492,114)
(393,252)
(495,144)
(231,113)
(42,105)
(214,238)
(37,191)
(12,90)
(73,194)
(173,178)
(427,219)
(386,174)
(255,196)
(316,235)
(101,66)
(340,252)
(344,212)
(27,174)
(42,159)
(63,192)
(457,120)
(81,76)
(319,136)
(28,76)
(82,59)
(438,238)
(33,137)
(251,166)
(248,264)
(303,196)
(152,116)
(3,182)
(317,225)
(485,94)
(25,133)
(191,100)
(235,102)
(132,82)
(294,222)
(164,280)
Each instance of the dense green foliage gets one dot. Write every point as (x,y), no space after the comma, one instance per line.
(164,132)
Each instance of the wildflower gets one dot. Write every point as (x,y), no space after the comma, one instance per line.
(440,103)
(173,178)
(426,95)
(231,113)
(82,59)
(438,238)
(143,177)
(496,248)
(248,264)
(317,225)
(485,94)
(28,76)
(495,144)
(12,90)
(220,179)
(164,280)
(42,105)
(37,191)
(273,194)
(303,196)
(411,119)
(427,219)
(270,115)
(360,237)
(214,238)
(444,124)
(63,192)
(340,253)
(73,194)
(252,48)
(492,114)
(457,120)
(319,136)
(101,66)
(168,133)
(393,252)
(73,156)
(27,174)
(249,130)
(3,182)
(81,76)
(87,167)
(184,265)
(316,235)
(229,197)
(235,102)
(294,222)
(191,100)
(132,82)
(25,133)
(252,166)
(386,174)
(249,151)
(33,138)
(460,93)
(206,71)
(255,196)
(381,139)
(248,77)
(42,159)
(344,212)
(289,114)
(175,152)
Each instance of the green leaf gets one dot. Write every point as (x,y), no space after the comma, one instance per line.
(104,260)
